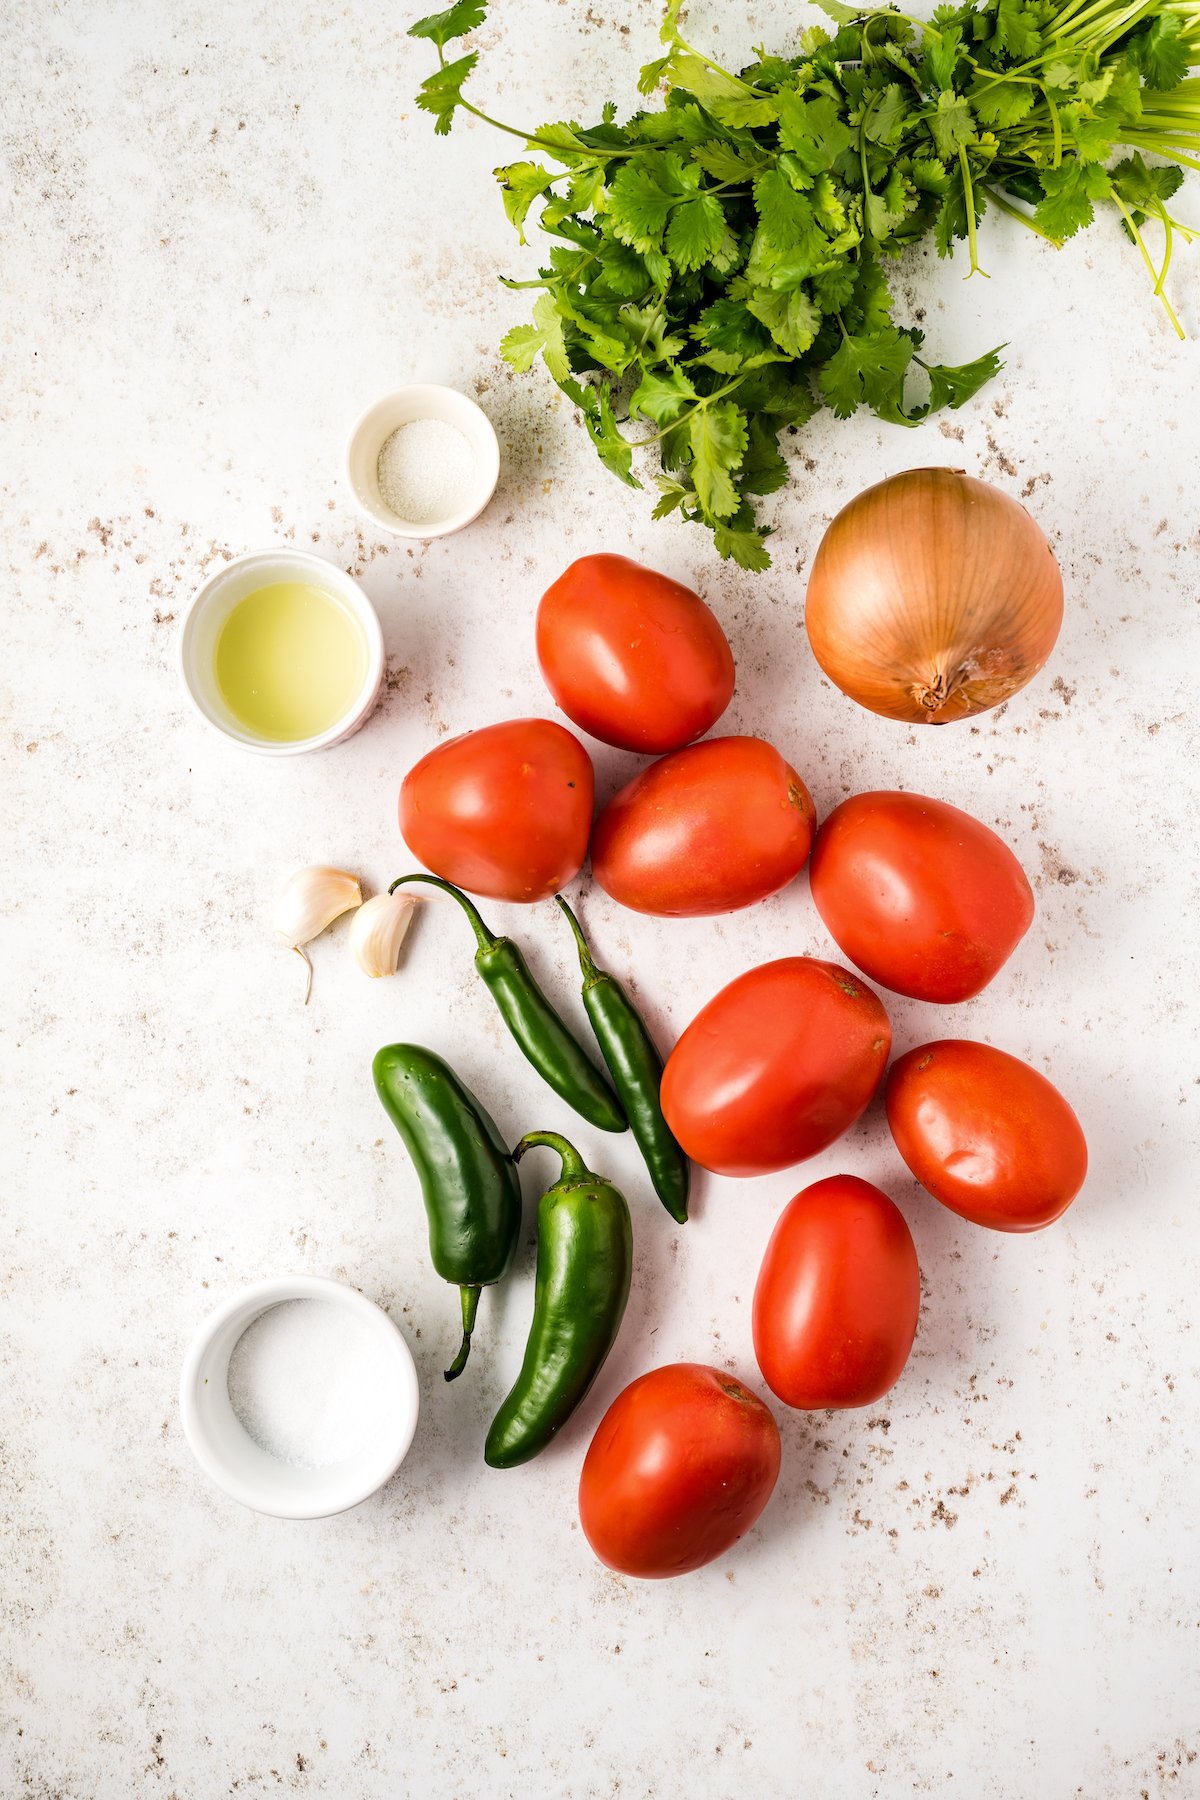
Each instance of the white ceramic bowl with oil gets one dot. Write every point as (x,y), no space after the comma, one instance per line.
(206,617)
(406,406)
(229,1455)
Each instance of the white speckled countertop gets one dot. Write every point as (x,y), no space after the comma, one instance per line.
(229,231)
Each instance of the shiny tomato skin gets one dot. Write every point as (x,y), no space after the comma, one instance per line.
(705,830)
(504,811)
(836,1304)
(920,896)
(988,1136)
(777,1065)
(681,1465)
(632,657)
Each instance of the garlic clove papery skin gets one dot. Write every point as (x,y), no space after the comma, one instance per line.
(379,929)
(312,899)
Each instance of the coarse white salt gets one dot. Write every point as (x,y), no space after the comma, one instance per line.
(311,1383)
(426,471)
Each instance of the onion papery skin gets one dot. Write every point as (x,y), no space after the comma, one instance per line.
(932,597)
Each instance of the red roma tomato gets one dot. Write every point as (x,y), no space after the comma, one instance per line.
(775,1067)
(835,1309)
(920,896)
(711,828)
(681,1465)
(987,1135)
(631,656)
(504,811)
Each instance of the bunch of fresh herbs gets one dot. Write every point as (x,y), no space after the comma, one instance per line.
(716,266)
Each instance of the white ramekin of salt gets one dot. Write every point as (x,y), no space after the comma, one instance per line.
(299,1397)
(423,461)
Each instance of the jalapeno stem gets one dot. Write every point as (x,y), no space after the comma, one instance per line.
(573,1166)
(470,1306)
(483,937)
(586,962)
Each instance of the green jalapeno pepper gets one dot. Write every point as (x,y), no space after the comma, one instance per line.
(636,1069)
(558,1057)
(469,1181)
(584,1262)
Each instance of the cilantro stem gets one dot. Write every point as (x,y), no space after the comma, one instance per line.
(716,67)
(1168,246)
(705,401)
(972,237)
(1056,124)
(531,137)
(1014,212)
(1140,241)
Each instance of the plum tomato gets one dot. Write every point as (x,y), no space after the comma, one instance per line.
(504,811)
(681,1465)
(835,1308)
(987,1135)
(632,657)
(920,896)
(706,830)
(775,1067)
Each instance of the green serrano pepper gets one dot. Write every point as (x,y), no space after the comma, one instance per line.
(584,1262)
(558,1057)
(636,1069)
(468,1179)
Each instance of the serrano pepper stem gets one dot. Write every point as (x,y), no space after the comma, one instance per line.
(557,1056)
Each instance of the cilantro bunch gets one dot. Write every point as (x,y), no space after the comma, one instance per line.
(716,265)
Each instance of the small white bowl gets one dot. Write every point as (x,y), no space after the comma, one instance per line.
(226,1451)
(405,407)
(211,606)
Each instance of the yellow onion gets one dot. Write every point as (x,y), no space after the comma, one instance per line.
(933,596)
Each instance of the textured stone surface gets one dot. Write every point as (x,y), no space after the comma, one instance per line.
(230,231)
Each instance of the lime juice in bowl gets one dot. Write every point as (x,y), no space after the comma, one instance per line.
(282,652)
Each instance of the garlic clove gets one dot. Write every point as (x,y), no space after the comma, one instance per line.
(308,902)
(311,899)
(379,929)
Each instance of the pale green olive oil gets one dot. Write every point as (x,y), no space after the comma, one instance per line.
(291,661)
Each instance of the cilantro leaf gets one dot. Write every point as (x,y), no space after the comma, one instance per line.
(662,397)
(520,346)
(731,334)
(1141,186)
(455,22)
(728,98)
(671,496)
(952,126)
(521,183)
(943,54)
(786,216)
(1017,30)
(743,543)
(814,130)
(696,232)
(718,437)
(652,74)
(726,161)
(441,93)
(1161,53)
(763,470)
(1069,195)
(614,451)
(885,121)
(640,202)
(792,319)
(1003,103)
(866,370)
(953,387)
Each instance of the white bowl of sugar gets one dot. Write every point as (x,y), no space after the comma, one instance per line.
(423,461)
(299,1397)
